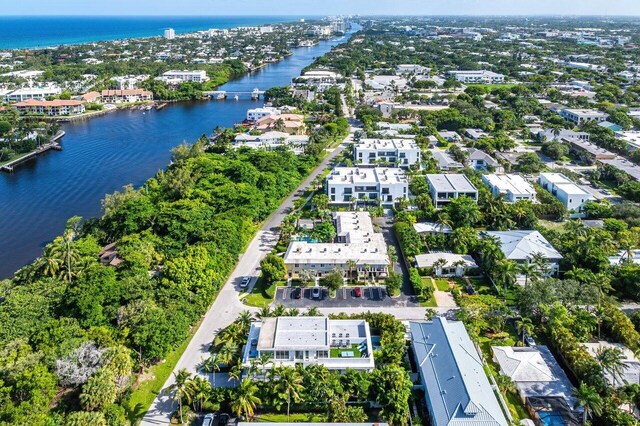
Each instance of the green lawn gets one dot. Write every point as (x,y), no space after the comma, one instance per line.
(141,398)
(442,284)
(335,352)
(431,302)
(262,295)
(294,418)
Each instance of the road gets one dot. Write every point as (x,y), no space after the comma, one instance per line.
(227,305)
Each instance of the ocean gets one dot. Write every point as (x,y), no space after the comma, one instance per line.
(28,32)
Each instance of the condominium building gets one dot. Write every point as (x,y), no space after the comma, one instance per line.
(272,140)
(255,114)
(356,244)
(400,152)
(581,116)
(477,77)
(564,189)
(169,34)
(513,187)
(125,96)
(53,108)
(38,93)
(290,341)
(346,184)
(197,76)
(446,187)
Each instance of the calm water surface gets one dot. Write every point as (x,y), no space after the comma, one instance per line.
(102,155)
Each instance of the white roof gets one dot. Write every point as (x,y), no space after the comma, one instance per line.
(363,176)
(427,260)
(451,183)
(384,144)
(431,227)
(522,245)
(631,365)
(564,183)
(513,184)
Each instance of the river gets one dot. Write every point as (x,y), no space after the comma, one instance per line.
(103,154)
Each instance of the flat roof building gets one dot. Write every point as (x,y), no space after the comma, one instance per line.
(580,116)
(477,77)
(346,184)
(457,390)
(356,241)
(513,187)
(446,187)
(197,76)
(289,341)
(401,152)
(564,189)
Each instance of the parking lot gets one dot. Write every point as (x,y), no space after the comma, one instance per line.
(371,296)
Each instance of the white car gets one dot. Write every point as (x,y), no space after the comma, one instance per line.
(208,420)
(316,292)
(245,282)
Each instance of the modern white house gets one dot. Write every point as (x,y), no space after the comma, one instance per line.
(580,116)
(457,390)
(255,114)
(564,189)
(408,69)
(38,93)
(272,140)
(401,152)
(446,264)
(197,76)
(446,187)
(290,341)
(477,77)
(356,241)
(542,383)
(513,187)
(521,246)
(347,183)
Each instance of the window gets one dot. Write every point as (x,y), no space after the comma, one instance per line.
(333,190)
(385,190)
(282,355)
(322,354)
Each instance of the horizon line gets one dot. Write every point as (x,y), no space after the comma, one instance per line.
(444,15)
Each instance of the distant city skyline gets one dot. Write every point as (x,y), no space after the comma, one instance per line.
(327,7)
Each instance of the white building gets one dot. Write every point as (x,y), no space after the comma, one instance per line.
(446,187)
(477,77)
(355,241)
(290,341)
(480,160)
(571,195)
(408,69)
(513,187)
(255,114)
(580,116)
(630,368)
(401,152)
(38,93)
(197,76)
(272,140)
(631,138)
(169,34)
(454,264)
(386,184)
(521,246)
(53,108)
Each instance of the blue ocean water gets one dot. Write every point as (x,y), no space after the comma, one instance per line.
(17,32)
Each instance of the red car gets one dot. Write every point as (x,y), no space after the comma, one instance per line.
(357,292)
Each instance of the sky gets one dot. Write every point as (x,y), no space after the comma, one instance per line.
(323,7)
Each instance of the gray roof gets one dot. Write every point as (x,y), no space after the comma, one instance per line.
(450,183)
(444,160)
(521,245)
(476,154)
(457,390)
(534,371)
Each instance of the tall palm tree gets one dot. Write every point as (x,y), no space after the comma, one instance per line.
(588,398)
(245,400)
(529,270)
(351,265)
(264,312)
(288,385)
(211,366)
(244,319)
(393,256)
(612,361)
(525,326)
(68,237)
(197,392)
(179,388)
(313,312)
(438,265)
(228,352)
(506,273)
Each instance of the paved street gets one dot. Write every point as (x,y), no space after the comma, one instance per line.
(227,305)
(372,297)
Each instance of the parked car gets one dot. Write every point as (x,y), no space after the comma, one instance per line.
(245,282)
(208,420)
(357,292)
(606,192)
(296,293)
(316,292)
(223,419)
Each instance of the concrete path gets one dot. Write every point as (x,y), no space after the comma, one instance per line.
(227,305)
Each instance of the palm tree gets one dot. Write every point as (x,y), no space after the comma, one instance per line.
(351,265)
(525,326)
(68,236)
(245,399)
(438,265)
(506,273)
(197,392)
(527,269)
(459,264)
(612,361)
(587,397)
(293,312)
(244,319)
(541,262)
(228,352)
(313,311)
(264,312)
(179,388)
(289,385)
(279,311)
(211,366)
(393,257)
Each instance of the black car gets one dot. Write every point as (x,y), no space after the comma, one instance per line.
(296,293)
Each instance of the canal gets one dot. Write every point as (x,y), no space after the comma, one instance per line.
(103,154)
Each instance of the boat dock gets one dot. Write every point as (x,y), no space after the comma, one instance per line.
(52,144)
(223,94)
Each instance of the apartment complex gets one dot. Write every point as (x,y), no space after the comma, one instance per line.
(580,116)
(477,77)
(346,184)
(564,189)
(446,187)
(176,76)
(401,152)
(513,187)
(290,341)
(53,108)
(38,93)
(356,241)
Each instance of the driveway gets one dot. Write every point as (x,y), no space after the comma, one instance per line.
(372,297)
(227,305)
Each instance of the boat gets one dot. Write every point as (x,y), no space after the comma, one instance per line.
(236,98)
(221,96)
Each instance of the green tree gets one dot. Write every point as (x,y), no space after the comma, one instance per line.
(588,398)
(288,385)
(84,418)
(179,388)
(99,391)
(273,268)
(334,280)
(245,399)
